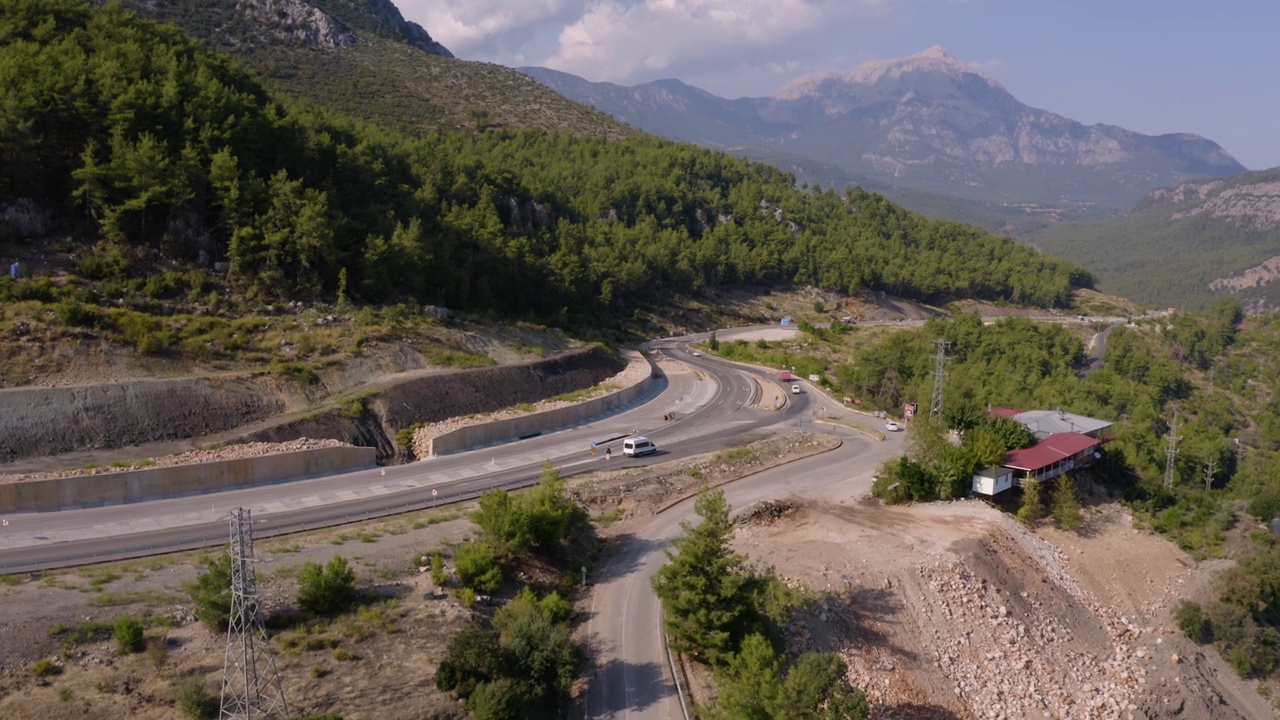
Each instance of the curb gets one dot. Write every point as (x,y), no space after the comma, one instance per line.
(722,483)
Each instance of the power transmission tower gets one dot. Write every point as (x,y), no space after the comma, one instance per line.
(1208,475)
(939,373)
(1171,454)
(250,684)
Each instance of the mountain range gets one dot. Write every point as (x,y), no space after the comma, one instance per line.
(928,122)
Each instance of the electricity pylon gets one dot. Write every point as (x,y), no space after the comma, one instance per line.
(250,684)
(939,374)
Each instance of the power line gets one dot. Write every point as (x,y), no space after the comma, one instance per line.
(250,684)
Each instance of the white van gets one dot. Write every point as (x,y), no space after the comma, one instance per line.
(638,446)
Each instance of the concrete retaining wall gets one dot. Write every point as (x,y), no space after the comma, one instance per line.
(152,483)
(475,436)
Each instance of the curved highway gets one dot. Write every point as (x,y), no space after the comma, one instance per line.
(709,407)
(631,674)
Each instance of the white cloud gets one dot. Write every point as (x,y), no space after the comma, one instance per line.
(628,40)
(471,27)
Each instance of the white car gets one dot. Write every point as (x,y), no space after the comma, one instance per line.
(697,354)
(795,389)
(892,426)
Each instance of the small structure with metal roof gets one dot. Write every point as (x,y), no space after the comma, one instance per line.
(1046,423)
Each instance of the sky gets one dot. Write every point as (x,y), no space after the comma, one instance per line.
(1210,67)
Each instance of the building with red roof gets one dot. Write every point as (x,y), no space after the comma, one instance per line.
(1047,459)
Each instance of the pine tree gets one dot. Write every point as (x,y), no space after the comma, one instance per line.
(1032,505)
(702,586)
(1066,506)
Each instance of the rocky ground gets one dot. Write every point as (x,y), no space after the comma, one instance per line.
(956,611)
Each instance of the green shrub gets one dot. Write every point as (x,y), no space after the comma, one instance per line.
(106,261)
(496,700)
(74,313)
(296,372)
(438,575)
(344,655)
(211,592)
(1192,622)
(193,698)
(326,589)
(44,667)
(353,409)
(477,566)
(129,635)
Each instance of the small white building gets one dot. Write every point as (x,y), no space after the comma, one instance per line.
(992,480)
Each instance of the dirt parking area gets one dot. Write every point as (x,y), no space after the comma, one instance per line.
(954,610)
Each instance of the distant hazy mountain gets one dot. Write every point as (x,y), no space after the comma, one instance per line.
(926,122)
(1185,245)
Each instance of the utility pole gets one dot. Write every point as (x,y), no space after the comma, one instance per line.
(250,684)
(1208,475)
(939,374)
(1171,454)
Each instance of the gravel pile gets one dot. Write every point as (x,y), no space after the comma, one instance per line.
(191,457)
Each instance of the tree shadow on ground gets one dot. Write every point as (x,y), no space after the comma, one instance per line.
(622,555)
(619,687)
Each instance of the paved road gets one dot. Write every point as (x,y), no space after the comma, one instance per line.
(709,408)
(631,676)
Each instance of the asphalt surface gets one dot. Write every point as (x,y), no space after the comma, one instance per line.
(631,674)
(708,410)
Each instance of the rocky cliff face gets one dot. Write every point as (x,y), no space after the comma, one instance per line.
(927,121)
(296,20)
(333,23)
(383,18)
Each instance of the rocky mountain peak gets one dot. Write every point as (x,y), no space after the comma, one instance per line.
(931,65)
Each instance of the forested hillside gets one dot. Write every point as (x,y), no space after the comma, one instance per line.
(1217,374)
(361,58)
(1185,245)
(125,130)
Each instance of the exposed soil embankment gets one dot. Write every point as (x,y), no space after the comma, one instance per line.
(36,422)
(403,400)
(42,422)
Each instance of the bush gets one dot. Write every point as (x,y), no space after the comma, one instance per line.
(44,667)
(496,700)
(326,589)
(1192,622)
(193,698)
(477,566)
(129,635)
(211,593)
(74,313)
(158,652)
(438,575)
